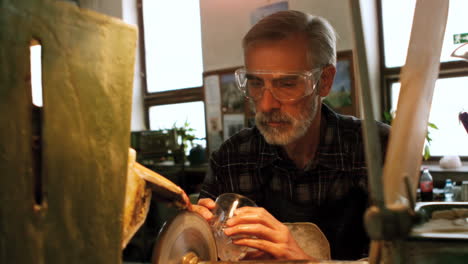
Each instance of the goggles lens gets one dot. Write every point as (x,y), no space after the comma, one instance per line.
(284,86)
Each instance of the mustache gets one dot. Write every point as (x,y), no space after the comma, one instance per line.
(274,116)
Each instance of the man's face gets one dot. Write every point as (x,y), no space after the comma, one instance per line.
(282,123)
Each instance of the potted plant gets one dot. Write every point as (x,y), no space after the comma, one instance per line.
(388,118)
(184,136)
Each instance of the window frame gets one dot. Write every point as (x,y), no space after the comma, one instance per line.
(183,95)
(390,75)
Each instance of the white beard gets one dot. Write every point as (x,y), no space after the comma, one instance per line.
(293,129)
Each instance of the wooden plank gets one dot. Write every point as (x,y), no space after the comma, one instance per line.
(418,78)
(87,70)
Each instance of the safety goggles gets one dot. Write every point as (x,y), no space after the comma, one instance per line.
(284,86)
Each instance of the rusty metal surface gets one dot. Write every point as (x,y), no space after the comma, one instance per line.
(87,76)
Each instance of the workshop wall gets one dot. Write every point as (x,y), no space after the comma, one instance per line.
(224,23)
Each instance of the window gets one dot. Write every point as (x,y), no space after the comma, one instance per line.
(172,44)
(397,18)
(170,36)
(36,73)
(180,113)
(452,86)
(451,137)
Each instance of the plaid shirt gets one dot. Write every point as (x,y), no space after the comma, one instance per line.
(331,192)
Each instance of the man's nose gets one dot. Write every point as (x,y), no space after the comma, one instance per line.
(267,102)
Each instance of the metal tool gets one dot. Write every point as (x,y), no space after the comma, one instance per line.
(187,238)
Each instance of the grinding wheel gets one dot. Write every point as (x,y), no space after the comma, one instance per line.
(186,232)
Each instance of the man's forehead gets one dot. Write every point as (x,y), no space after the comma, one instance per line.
(295,37)
(281,55)
(272,75)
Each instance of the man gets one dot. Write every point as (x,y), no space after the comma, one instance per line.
(302,162)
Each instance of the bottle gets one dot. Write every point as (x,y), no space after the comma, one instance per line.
(426,185)
(448,190)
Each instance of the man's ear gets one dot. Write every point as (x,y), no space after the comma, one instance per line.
(326,80)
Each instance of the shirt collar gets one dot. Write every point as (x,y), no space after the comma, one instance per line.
(268,153)
(330,152)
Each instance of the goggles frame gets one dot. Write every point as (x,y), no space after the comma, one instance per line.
(308,76)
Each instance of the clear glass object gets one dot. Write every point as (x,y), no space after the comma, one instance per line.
(461,52)
(448,190)
(226,204)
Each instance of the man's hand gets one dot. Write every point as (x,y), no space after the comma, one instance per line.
(270,235)
(203,208)
(186,202)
